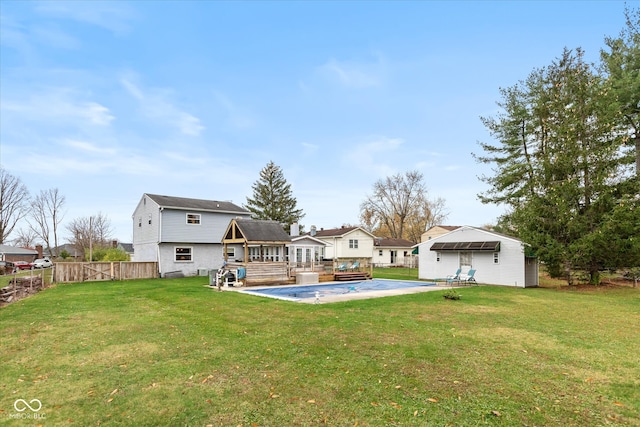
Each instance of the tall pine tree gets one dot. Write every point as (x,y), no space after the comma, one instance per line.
(272,198)
(559,167)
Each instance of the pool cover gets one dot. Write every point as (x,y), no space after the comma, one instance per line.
(296,293)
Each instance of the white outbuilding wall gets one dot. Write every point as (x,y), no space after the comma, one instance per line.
(507,266)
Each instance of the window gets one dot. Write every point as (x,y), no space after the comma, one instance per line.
(139,221)
(438,256)
(193,218)
(496,257)
(231,253)
(149,219)
(353,243)
(465,260)
(380,252)
(184,254)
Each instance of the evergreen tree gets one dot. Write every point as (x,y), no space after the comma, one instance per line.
(272,198)
(560,168)
(621,62)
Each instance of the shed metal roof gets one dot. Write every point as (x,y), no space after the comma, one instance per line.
(492,246)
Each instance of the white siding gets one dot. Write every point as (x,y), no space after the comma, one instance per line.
(210,230)
(145,235)
(203,257)
(510,271)
(340,245)
(384,260)
(157,232)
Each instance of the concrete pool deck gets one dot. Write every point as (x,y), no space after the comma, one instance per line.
(348,296)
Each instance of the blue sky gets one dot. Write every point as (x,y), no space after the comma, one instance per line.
(109,100)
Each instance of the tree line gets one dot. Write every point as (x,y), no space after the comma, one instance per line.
(566,160)
(399,206)
(43,214)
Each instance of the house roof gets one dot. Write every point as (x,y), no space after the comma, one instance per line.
(127,247)
(338,232)
(68,247)
(392,243)
(196,204)
(308,238)
(446,227)
(12,250)
(256,231)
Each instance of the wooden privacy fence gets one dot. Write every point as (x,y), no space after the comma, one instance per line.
(94,271)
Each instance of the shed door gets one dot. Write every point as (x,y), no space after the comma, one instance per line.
(466,261)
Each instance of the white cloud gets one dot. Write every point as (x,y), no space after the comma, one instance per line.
(155,105)
(354,74)
(236,116)
(113,16)
(375,155)
(309,149)
(60,105)
(87,147)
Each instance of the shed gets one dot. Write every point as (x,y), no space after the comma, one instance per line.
(497,258)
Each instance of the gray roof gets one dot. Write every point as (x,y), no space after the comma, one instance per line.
(392,243)
(70,248)
(12,250)
(196,204)
(255,230)
(127,247)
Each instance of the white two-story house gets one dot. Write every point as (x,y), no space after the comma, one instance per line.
(181,234)
(346,243)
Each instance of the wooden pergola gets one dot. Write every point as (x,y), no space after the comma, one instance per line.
(265,235)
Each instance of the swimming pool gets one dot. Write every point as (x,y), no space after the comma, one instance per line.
(320,291)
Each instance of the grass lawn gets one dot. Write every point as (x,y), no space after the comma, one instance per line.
(173,352)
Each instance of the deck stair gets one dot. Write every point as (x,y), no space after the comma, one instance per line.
(351,275)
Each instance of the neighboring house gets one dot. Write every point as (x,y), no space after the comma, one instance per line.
(67,248)
(346,243)
(306,252)
(437,230)
(498,259)
(181,234)
(393,253)
(127,248)
(13,254)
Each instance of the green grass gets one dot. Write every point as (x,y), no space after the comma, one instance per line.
(398,273)
(173,352)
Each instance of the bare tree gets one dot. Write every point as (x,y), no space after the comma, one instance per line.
(46,215)
(26,238)
(13,203)
(88,232)
(399,207)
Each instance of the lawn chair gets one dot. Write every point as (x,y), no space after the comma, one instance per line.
(453,277)
(342,267)
(355,265)
(469,277)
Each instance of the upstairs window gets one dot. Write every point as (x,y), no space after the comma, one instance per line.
(496,257)
(353,243)
(193,219)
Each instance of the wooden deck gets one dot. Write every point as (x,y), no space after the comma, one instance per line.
(351,275)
